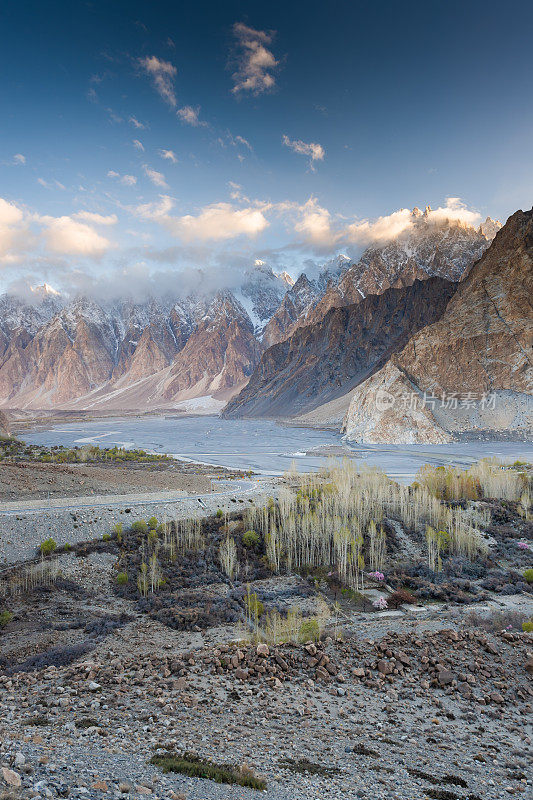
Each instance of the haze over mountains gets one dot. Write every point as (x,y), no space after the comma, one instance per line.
(281,349)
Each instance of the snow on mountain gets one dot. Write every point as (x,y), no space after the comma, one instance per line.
(261,293)
(426,248)
(125,353)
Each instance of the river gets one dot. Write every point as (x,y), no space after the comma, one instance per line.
(265,446)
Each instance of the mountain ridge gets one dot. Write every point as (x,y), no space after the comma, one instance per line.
(480,347)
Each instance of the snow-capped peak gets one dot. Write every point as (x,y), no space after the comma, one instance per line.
(44,290)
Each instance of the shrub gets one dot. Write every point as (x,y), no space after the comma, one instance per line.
(527,627)
(496,621)
(195,767)
(251,539)
(140,526)
(122,578)
(5,618)
(227,553)
(152,523)
(47,547)
(401,597)
(310,630)
(528,575)
(254,606)
(220,513)
(106,537)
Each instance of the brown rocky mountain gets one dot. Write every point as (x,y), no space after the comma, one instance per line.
(427,248)
(478,355)
(220,354)
(299,302)
(89,354)
(323,361)
(446,249)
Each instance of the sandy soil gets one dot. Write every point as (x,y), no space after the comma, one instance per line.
(30,480)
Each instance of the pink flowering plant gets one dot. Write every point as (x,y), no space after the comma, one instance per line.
(378,576)
(380,604)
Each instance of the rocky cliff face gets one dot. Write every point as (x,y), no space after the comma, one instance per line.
(123,354)
(220,354)
(446,249)
(298,303)
(322,361)
(478,357)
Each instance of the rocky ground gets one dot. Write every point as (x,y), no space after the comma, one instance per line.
(22,532)
(424,701)
(26,480)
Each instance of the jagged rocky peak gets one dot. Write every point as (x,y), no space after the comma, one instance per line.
(261,292)
(476,358)
(300,300)
(28,311)
(44,291)
(225,306)
(429,246)
(490,228)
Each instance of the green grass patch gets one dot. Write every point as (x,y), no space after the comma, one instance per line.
(195,767)
(304,767)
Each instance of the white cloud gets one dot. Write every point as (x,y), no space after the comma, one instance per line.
(314,151)
(381,229)
(169,155)
(256,62)
(455,210)
(18,158)
(136,124)
(243,141)
(10,214)
(14,234)
(314,225)
(138,145)
(127,180)
(67,236)
(96,219)
(163,74)
(47,185)
(154,211)
(218,221)
(157,178)
(391,226)
(190,115)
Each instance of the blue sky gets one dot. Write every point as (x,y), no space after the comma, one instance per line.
(141,138)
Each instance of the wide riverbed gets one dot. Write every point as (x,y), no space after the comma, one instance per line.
(264,446)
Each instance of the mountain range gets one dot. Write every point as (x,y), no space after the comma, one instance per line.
(472,370)
(311,349)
